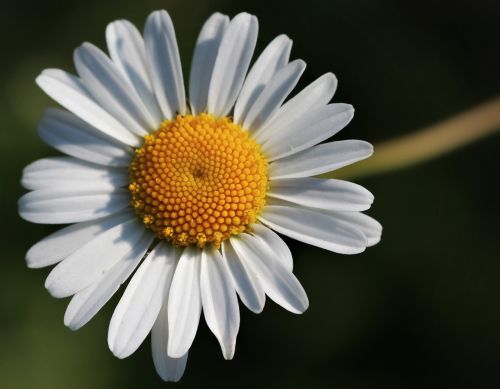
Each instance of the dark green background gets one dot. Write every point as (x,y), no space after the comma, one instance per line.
(420,310)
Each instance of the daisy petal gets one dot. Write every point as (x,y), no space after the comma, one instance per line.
(184,303)
(140,305)
(246,283)
(169,369)
(231,65)
(203,62)
(274,243)
(308,130)
(314,228)
(371,228)
(84,266)
(70,92)
(59,206)
(86,303)
(335,195)
(67,172)
(278,282)
(165,64)
(320,159)
(218,296)
(273,95)
(273,58)
(58,245)
(315,95)
(69,134)
(111,90)
(126,49)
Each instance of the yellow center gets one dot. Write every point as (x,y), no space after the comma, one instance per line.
(198,179)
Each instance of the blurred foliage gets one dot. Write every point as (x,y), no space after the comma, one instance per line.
(418,310)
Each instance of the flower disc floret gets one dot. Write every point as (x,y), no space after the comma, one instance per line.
(198,179)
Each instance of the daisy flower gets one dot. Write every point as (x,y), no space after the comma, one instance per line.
(185,197)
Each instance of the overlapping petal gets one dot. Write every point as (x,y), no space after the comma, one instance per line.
(233,58)
(72,136)
(202,66)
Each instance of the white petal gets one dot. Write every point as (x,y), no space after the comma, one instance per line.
(335,195)
(111,90)
(165,64)
(273,58)
(86,303)
(140,305)
(84,266)
(58,245)
(279,283)
(218,296)
(314,96)
(70,92)
(320,159)
(308,130)
(69,172)
(231,65)
(273,95)
(69,134)
(371,228)
(169,369)
(274,243)
(245,281)
(126,49)
(59,206)
(314,228)
(184,303)
(203,62)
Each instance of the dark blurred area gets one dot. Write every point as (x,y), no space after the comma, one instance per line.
(419,310)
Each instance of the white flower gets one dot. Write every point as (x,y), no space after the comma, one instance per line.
(184,193)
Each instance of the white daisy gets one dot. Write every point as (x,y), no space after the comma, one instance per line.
(183,197)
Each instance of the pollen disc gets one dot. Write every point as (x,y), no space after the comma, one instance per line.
(198,179)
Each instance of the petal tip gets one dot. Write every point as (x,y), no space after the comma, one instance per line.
(228,352)
(174,352)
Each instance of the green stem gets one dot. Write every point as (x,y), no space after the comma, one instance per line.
(427,143)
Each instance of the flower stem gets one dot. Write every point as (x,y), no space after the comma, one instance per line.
(427,143)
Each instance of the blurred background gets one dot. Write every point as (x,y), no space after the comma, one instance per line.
(420,310)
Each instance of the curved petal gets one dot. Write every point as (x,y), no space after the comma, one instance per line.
(203,62)
(279,283)
(59,206)
(371,228)
(309,130)
(67,172)
(273,95)
(84,266)
(140,305)
(335,195)
(70,92)
(320,159)
(126,49)
(218,296)
(70,135)
(169,369)
(273,58)
(184,303)
(165,64)
(231,65)
(245,281)
(274,243)
(58,245)
(314,96)
(314,228)
(86,303)
(111,90)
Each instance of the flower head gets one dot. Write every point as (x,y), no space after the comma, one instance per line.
(183,198)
